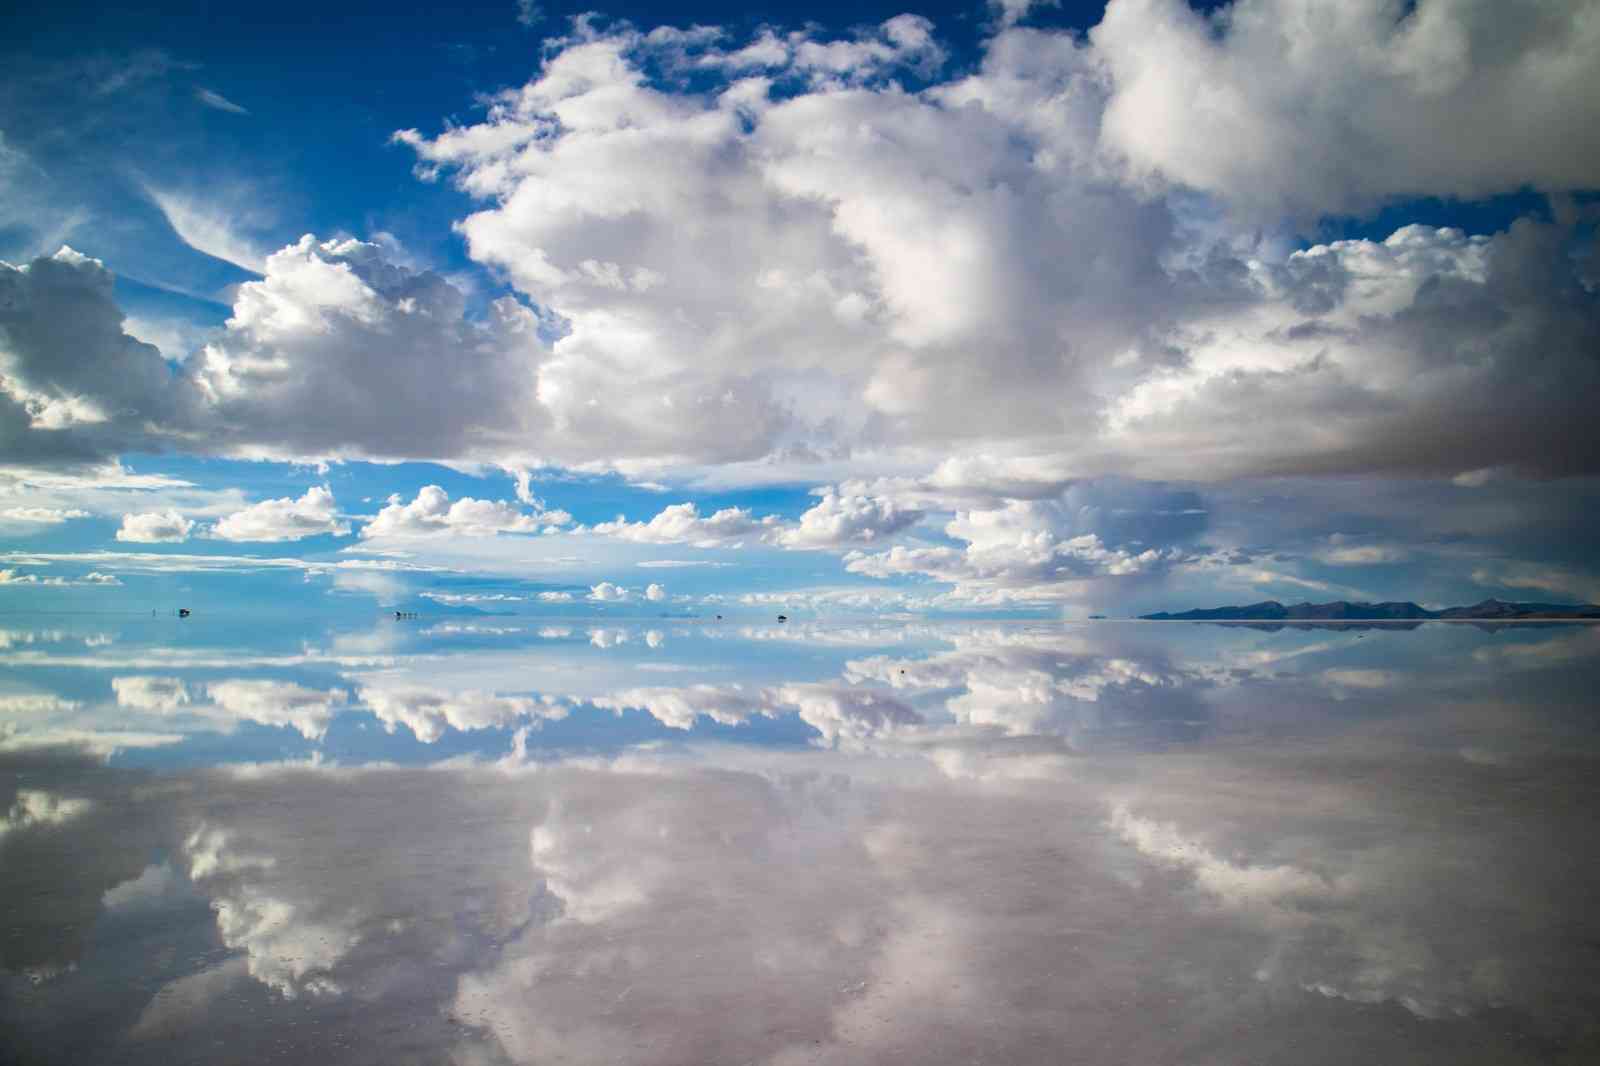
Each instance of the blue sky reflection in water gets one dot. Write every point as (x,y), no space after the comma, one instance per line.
(513,840)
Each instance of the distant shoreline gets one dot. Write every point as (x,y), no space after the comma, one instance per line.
(1478,620)
(1389,612)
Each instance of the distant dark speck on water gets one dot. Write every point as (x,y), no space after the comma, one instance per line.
(783,618)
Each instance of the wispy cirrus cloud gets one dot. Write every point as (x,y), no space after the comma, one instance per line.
(217,101)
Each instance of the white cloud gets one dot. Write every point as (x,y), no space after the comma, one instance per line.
(1345,554)
(1011,12)
(608,638)
(330,319)
(433,514)
(162,563)
(817,269)
(838,521)
(682,523)
(1555,581)
(851,251)
(679,708)
(312,514)
(40,516)
(948,295)
(74,387)
(12,576)
(34,807)
(456,599)
(845,715)
(1477,479)
(606,592)
(428,711)
(850,599)
(209,227)
(155,527)
(145,693)
(36,703)
(1235,884)
(1023,550)
(655,593)
(225,703)
(218,101)
(1331,108)
(278,703)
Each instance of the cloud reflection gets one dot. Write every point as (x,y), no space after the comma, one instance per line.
(1016,844)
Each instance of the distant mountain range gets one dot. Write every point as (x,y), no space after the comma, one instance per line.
(1342,610)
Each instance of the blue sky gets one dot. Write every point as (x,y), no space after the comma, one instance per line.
(1021,309)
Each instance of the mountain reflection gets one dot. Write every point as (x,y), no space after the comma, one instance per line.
(1005,843)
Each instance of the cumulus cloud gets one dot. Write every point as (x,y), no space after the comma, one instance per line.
(844,715)
(837,521)
(1330,108)
(1431,351)
(312,514)
(850,246)
(1038,683)
(145,693)
(847,716)
(789,256)
(155,527)
(825,226)
(428,712)
(1021,550)
(334,318)
(606,592)
(682,523)
(655,593)
(843,259)
(228,702)
(278,703)
(850,599)
(433,514)
(74,387)
(681,707)
(32,807)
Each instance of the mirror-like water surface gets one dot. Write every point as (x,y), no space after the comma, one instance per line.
(500,841)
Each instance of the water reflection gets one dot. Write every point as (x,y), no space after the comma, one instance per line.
(495,842)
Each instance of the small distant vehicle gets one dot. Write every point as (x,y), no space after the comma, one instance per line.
(183,612)
(783,618)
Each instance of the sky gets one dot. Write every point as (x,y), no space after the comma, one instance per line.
(1035,309)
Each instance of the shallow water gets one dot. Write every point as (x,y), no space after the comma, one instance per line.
(489,840)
